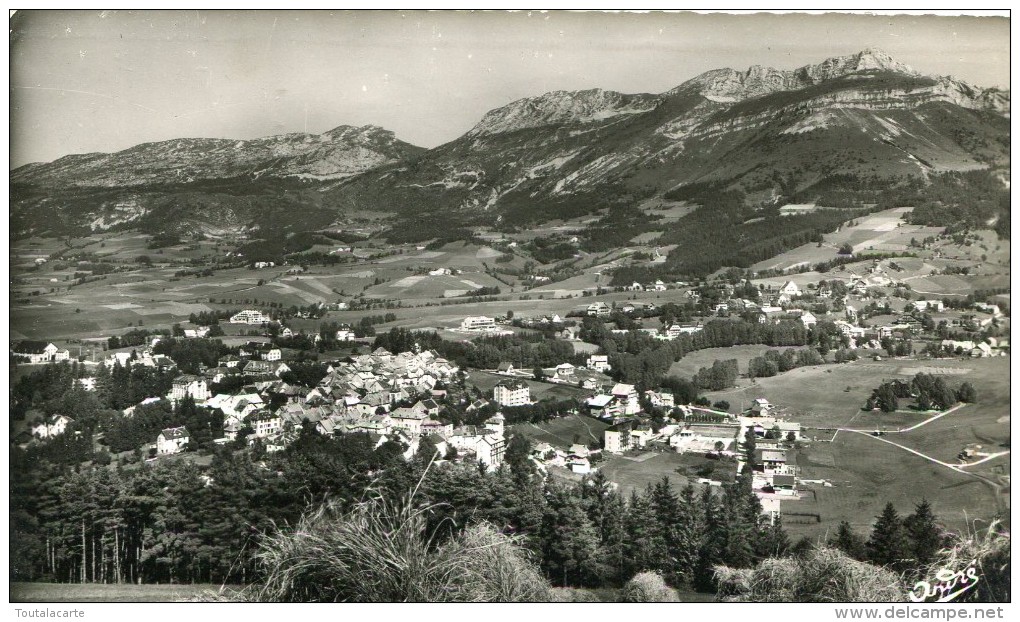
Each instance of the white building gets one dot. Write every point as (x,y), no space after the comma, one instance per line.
(172,441)
(598,309)
(790,289)
(187,385)
(480,322)
(511,393)
(249,316)
(54,426)
(617,438)
(628,396)
(599,362)
(37,351)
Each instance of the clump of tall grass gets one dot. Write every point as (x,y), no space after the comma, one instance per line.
(382,551)
(824,575)
(648,587)
(988,553)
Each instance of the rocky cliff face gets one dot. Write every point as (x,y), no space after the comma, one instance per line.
(567,153)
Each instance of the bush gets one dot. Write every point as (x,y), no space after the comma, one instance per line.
(648,587)
(382,551)
(824,575)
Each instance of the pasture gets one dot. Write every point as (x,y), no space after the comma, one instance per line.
(883,231)
(563,432)
(635,472)
(690,364)
(867,473)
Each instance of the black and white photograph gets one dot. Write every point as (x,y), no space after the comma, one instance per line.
(509,306)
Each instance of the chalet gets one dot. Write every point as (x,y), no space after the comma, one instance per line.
(598,309)
(477,405)
(511,393)
(172,441)
(599,362)
(51,427)
(505,368)
(981,350)
(345,334)
(660,399)
(605,407)
(628,308)
(790,289)
(229,360)
(761,407)
(617,437)
(36,351)
(808,319)
(628,396)
(570,333)
(659,286)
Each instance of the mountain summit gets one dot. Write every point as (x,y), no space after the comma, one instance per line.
(763,131)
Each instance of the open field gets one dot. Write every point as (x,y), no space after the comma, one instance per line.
(485,381)
(690,364)
(816,396)
(564,431)
(111,593)
(638,469)
(883,231)
(867,473)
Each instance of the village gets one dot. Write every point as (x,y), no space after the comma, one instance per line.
(398,397)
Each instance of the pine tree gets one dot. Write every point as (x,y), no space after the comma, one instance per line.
(713,541)
(569,542)
(926,538)
(888,545)
(849,541)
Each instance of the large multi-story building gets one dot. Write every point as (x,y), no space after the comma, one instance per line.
(187,385)
(479,322)
(511,393)
(250,316)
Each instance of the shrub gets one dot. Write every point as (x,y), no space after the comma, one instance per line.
(382,551)
(648,587)
(823,575)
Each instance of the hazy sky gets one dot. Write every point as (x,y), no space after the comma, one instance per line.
(104,81)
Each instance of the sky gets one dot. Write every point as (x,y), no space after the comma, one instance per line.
(102,81)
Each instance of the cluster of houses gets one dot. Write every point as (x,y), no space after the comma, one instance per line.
(388,396)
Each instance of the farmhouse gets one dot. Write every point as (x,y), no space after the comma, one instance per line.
(790,289)
(505,368)
(54,426)
(39,352)
(249,316)
(476,323)
(172,441)
(660,399)
(598,309)
(511,393)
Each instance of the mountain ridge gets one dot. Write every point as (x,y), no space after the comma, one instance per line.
(567,153)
